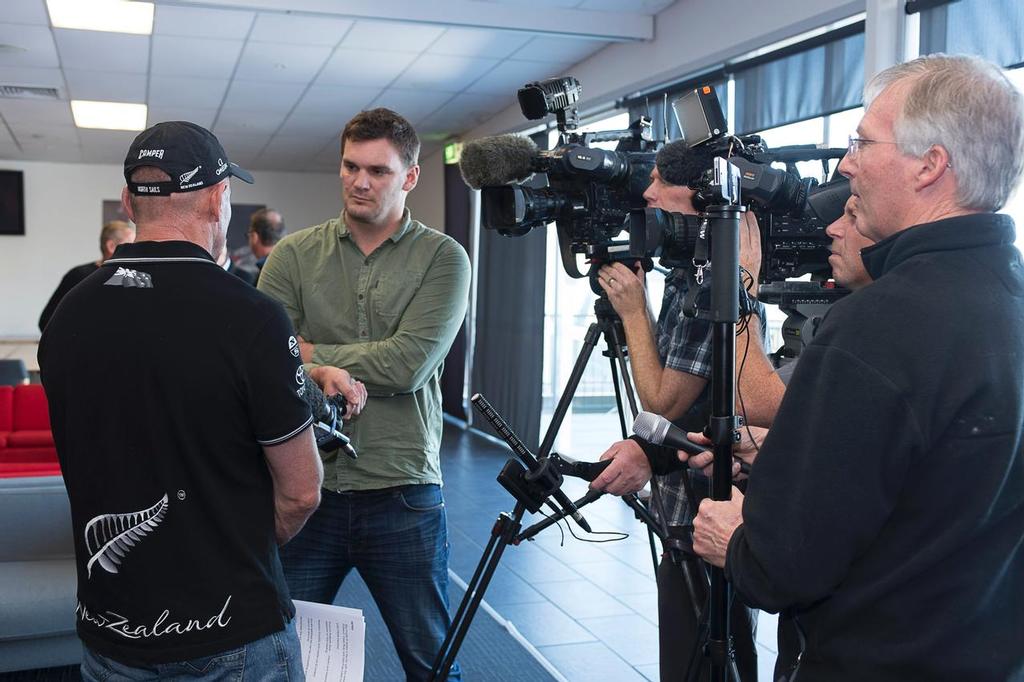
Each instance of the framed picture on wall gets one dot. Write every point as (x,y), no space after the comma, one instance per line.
(12,202)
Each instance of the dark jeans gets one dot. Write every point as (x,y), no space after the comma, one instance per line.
(678,623)
(397,539)
(273,658)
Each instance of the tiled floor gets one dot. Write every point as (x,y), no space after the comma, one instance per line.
(589,608)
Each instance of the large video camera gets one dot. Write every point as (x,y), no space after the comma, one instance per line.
(586,191)
(792,211)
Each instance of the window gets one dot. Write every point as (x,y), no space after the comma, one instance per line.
(1015,206)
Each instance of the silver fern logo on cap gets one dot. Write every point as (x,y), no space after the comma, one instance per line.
(110,537)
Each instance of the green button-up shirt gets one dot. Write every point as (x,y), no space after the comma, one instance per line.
(389,319)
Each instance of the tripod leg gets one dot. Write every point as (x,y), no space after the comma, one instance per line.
(505,529)
(615,344)
(589,343)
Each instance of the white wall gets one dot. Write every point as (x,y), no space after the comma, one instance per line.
(427,201)
(63,216)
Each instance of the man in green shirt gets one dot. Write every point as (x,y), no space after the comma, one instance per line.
(383,296)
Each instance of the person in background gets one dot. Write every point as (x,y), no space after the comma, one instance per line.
(266,227)
(113,233)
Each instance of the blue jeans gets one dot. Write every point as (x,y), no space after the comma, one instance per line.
(398,541)
(275,657)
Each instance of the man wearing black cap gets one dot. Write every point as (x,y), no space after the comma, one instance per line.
(179,505)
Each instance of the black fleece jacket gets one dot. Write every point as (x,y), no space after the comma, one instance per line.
(886,507)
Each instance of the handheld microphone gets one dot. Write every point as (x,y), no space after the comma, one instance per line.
(327,414)
(498,160)
(654,428)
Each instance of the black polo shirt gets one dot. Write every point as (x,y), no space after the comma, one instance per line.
(165,377)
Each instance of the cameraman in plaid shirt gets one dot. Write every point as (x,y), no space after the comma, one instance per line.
(671,366)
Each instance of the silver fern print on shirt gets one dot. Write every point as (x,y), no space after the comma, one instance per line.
(110,537)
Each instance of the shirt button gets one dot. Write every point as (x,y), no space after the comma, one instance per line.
(362,333)
(360,297)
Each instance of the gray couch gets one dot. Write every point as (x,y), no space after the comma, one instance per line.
(37,575)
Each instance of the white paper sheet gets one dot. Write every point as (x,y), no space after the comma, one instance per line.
(333,640)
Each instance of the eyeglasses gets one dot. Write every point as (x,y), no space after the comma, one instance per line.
(856,143)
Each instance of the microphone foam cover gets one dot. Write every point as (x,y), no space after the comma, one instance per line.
(498,160)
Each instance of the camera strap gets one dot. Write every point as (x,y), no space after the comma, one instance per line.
(695,279)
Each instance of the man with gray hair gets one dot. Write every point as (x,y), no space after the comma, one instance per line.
(857,522)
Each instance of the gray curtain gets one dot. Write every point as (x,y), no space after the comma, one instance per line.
(814,82)
(508,354)
(993,29)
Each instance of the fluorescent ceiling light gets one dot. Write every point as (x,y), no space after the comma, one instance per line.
(118,16)
(108,115)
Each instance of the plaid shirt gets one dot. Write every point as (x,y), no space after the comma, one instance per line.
(684,344)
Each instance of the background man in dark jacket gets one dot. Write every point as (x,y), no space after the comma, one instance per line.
(857,521)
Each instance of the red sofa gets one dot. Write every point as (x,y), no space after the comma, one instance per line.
(26,442)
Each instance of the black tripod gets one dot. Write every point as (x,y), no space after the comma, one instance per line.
(532,480)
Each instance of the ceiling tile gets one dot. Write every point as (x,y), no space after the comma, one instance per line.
(242,121)
(324,126)
(414,105)
(558,50)
(105,146)
(539,4)
(60,153)
(438,72)
(200,57)
(341,102)
(196,22)
(36,111)
(291,145)
(269,97)
(36,46)
(281,63)
(285,28)
(43,78)
(407,37)
(475,42)
(32,133)
(186,91)
(26,12)
(508,76)
(464,112)
(199,116)
(364,67)
(105,86)
(102,51)
(632,6)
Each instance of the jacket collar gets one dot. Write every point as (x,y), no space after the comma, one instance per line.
(951,234)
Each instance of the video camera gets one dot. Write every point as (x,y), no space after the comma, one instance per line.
(792,211)
(587,192)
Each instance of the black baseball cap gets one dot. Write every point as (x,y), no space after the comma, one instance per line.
(189,153)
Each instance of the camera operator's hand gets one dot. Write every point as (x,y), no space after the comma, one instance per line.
(629,471)
(625,289)
(334,380)
(714,525)
(750,248)
(751,438)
